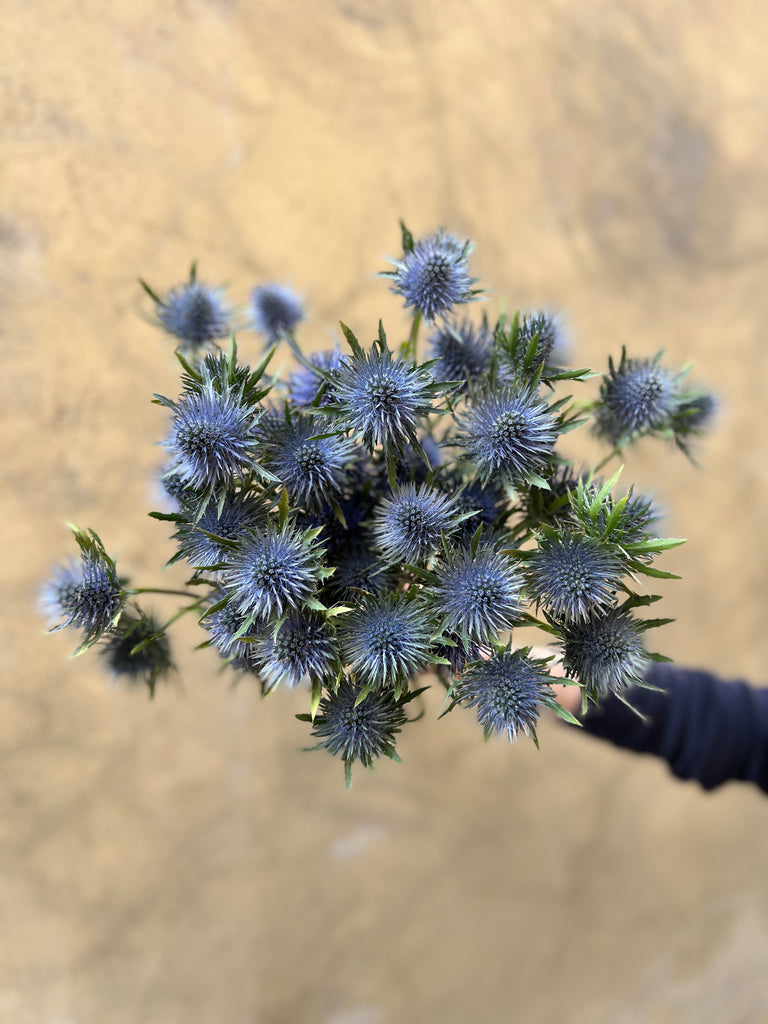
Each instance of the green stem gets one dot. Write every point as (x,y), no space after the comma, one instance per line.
(160,590)
(409,349)
(608,457)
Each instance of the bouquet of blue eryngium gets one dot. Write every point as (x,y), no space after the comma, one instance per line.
(377,515)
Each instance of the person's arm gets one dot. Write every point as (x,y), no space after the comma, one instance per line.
(706,729)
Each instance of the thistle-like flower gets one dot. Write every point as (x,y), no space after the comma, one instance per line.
(358,571)
(206,541)
(382,399)
(227,628)
(138,650)
(573,575)
(88,596)
(463,352)
(386,640)
(304,384)
(273,570)
(692,418)
(303,646)
(509,434)
(275,311)
(432,276)
(477,595)
(212,437)
(638,397)
(605,652)
(195,313)
(408,526)
(313,468)
(548,330)
(507,691)
(359,731)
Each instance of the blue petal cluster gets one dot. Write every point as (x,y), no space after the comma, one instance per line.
(386,640)
(195,313)
(203,542)
(605,652)
(507,692)
(359,731)
(88,596)
(573,575)
(313,468)
(304,384)
(303,646)
(433,276)
(478,594)
(463,352)
(637,397)
(275,311)
(509,433)
(408,526)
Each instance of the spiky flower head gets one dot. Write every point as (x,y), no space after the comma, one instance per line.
(605,652)
(386,640)
(206,540)
(313,468)
(693,417)
(275,311)
(573,575)
(546,328)
(303,646)
(195,313)
(274,569)
(508,433)
(381,398)
(477,593)
(88,596)
(138,650)
(359,731)
(408,526)
(212,437)
(358,571)
(230,631)
(463,352)
(507,692)
(304,384)
(433,276)
(638,397)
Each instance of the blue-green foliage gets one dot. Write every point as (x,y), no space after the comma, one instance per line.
(371,515)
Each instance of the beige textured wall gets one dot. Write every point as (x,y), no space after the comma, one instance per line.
(182,860)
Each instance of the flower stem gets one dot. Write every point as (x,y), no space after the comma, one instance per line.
(409,349)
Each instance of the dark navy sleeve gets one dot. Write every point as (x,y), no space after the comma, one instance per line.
(706,729)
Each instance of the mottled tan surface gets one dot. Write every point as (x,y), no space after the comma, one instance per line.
(182,860)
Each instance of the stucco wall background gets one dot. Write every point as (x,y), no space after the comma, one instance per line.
(182,860)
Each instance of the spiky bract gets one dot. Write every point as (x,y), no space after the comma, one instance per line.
(509,434)
(507,692)
(87,596)
(273,570)
(638,397)
(304,384)
(212,438)
(546,329)
(359,732)
(275,311)
(195,313)
(227,628)
(477,595)
(605,653)
(463,352)
(381,398)
(386,640)
(303,646)
(138,650)
(205,543)
(573,575)
(433,276)
(312,468)
(408,526)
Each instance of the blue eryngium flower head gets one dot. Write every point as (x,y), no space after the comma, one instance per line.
(477,595)
(230,633)
(508,433)
(573,575)
(548,331)
(359,730)
(195,313)
(273,570)
(138,650)
(605,652)
(432,276)
(381,398)
(692,418)
(88,595)
(638,397)
(386,640)
(462,350)
(302,646)
(206,540)
(312,468)
(212,437)
(275,311)
(408,526)
(507,692)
